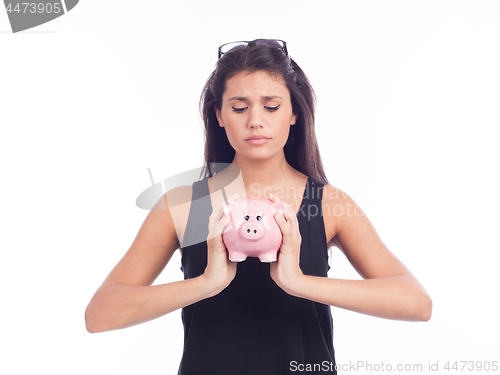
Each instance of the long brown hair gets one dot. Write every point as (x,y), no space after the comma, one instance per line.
(301,149)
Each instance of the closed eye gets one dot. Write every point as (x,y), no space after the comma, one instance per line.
(243,109)
(272,109)
(239,110)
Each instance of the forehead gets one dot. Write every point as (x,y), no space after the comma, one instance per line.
(259,83)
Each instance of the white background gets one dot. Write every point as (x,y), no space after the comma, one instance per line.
(407,122)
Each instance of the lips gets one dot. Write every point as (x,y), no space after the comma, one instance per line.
(257,140)
(256,137)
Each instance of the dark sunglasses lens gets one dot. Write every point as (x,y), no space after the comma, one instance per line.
(270,43)
(231,47)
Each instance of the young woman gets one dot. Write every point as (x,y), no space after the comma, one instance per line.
(253,317)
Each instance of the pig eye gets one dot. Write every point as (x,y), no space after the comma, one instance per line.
(259,217)
(246,217)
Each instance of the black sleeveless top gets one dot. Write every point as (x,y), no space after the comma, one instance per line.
(253,327)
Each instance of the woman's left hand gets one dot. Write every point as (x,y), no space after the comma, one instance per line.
(286,271)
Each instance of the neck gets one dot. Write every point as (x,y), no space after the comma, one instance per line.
(259,174)
(258,178)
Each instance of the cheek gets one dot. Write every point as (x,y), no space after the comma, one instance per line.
(229,128)
(228,119)
(229,123)
(229,134)
(285,124)
(224,116)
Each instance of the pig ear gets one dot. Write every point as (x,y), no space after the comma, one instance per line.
(227,207)
(279,207)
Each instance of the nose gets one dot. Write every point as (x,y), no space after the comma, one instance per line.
(256,119)
(252,231)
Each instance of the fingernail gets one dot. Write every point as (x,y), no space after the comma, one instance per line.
(271,195)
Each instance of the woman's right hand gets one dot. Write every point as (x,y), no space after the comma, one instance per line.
(220,271)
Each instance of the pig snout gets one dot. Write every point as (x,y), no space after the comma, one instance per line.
(252,231)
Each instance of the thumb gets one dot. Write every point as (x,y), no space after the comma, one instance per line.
(222,223)
(225,220)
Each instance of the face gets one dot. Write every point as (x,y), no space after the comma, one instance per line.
(256,114)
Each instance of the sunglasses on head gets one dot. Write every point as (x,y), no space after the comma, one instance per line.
(242,45)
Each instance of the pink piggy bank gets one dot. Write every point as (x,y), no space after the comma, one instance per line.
(252,232)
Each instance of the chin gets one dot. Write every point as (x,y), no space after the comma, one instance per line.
(259,155)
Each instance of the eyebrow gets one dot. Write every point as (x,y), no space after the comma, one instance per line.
(244,98)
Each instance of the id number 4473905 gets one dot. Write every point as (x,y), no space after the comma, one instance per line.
(471,366)
(34,8)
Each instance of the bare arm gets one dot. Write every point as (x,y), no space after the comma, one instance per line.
(392,297)
(388,290)
(126,297)
(117,306)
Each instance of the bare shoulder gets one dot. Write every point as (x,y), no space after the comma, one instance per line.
(340,203)
(179,195)
(179,204)
(333,195)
